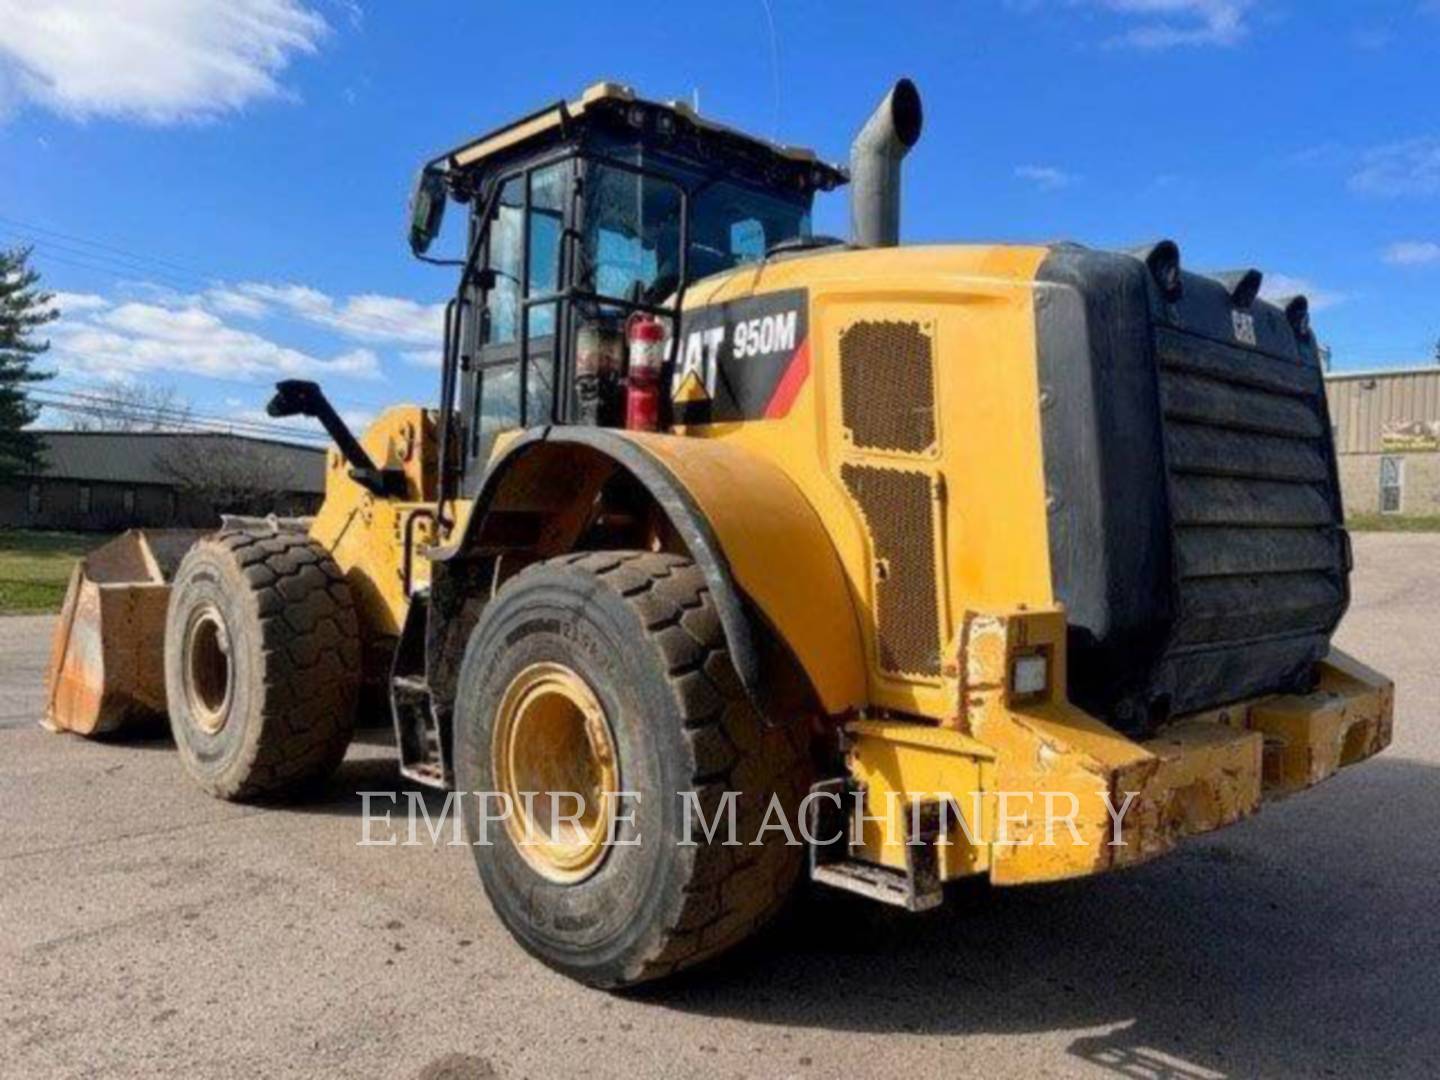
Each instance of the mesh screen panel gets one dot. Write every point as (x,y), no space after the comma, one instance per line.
(897,509)
(887,385)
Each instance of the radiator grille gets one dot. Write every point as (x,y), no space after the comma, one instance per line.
(896,505)
(887,385)
(1260,558)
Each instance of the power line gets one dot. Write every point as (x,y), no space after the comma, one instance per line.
(49,254)
(249,384)
(51,251)
(103,407)
(174,275)
(143,424)
(135,422)
(29,227)
(124,422)
(166,414)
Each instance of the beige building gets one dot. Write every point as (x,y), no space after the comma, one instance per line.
(1387,435)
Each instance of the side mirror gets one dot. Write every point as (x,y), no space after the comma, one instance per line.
(427,210)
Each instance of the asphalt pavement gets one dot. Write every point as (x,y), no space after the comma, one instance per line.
(147,930)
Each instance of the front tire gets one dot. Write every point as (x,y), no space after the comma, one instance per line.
(636,639)
(262,663)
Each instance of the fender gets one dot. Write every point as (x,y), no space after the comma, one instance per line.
(751,531)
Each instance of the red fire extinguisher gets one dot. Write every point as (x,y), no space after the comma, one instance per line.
(645,338)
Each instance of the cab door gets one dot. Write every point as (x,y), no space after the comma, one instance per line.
(513,344)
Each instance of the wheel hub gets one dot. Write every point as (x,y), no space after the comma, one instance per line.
(208,674)
(554,757)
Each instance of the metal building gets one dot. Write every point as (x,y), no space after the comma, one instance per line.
(1387,435)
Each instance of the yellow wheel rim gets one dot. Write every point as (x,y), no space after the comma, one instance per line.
(207,672)
(553,754)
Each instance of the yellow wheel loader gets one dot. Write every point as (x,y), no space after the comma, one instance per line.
(734,554)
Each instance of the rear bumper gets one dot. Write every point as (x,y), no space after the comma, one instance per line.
(1049,792)
(1219,767)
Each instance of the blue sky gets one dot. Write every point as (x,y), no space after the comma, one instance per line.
(218,189)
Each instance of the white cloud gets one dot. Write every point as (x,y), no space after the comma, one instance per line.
(1164,24)
(1410,167)
(229,302)
(1281,285)
(159,61)
(1413,253)
(1045,177)
(68,303)
(367,317)
(230,331)
(1169,23)
(116,340)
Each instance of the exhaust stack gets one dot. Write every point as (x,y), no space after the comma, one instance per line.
(875,158)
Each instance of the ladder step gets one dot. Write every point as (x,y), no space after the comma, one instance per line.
(411,685)
(875,883)
(428,773)
(417,732)
(915,888)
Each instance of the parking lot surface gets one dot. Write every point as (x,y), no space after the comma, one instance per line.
(148,930)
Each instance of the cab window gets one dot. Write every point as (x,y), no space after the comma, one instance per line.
(524,253)
(731,225)
(632,235)
(504,258)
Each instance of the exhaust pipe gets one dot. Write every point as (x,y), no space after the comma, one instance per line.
(875,158)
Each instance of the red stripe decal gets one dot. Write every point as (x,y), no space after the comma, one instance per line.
(788,389)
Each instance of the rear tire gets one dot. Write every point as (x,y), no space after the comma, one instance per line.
(638,634)
(262,663)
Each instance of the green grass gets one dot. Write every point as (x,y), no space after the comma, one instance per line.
(35,567)
(1392,523)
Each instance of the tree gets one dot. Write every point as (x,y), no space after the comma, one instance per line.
(23,310)
(232,475)
(127,407)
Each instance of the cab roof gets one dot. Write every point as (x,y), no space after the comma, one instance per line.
(652,120)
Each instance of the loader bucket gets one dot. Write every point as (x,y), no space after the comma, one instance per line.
(107,662)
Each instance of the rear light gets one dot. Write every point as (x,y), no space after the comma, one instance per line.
(1030,675)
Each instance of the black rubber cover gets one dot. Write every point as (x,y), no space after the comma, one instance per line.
(1195,569)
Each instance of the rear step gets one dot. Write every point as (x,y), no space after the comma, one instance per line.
(417,732)
(421,735)
(916,888)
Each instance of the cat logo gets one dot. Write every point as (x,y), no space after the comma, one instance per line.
(743,359)
(1245,328)
(694,378)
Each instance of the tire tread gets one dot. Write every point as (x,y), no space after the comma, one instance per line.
(310,660)
(732,891)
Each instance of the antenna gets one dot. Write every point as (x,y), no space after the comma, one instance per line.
(774,67)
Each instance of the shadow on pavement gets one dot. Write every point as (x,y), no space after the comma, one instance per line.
(373,768)
(1303,943)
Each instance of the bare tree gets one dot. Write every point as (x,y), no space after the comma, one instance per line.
(127,407)
(231,474)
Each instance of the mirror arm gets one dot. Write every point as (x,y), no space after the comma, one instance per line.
(299,397)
